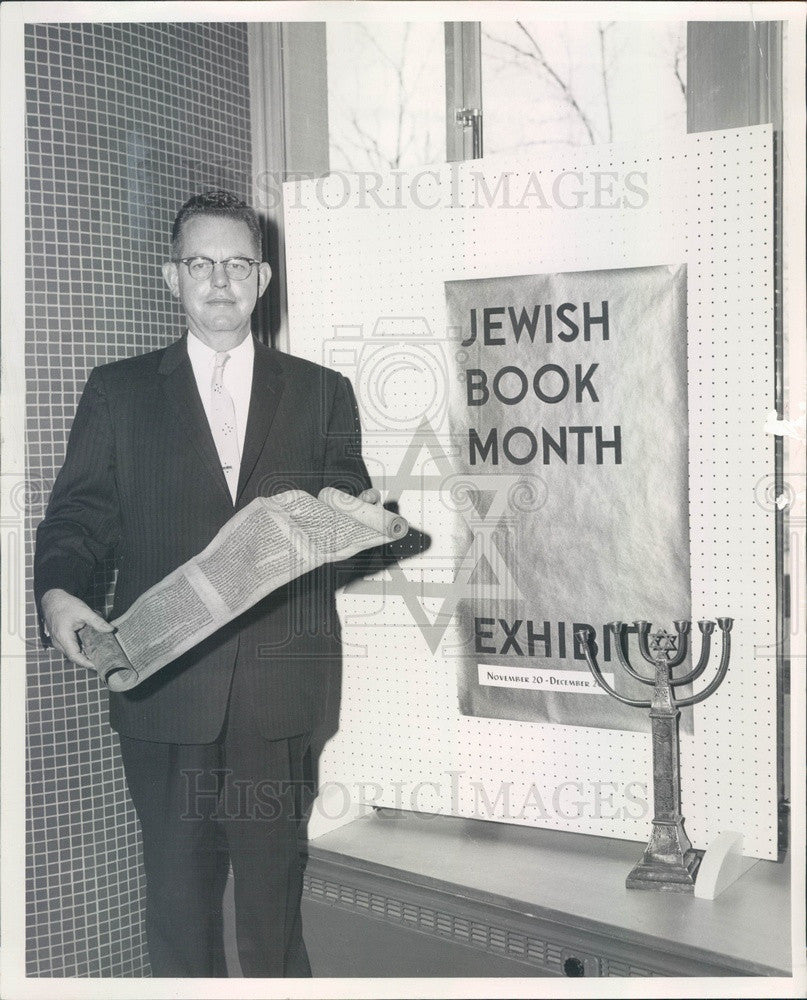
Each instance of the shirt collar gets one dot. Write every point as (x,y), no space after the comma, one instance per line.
(200,353)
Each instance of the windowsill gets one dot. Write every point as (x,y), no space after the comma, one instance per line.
(573,880)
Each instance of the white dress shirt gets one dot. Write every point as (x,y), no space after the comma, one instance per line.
(237,378)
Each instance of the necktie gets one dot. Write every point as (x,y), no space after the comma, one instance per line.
(223,424)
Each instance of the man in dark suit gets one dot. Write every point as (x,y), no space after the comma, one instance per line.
(164,448)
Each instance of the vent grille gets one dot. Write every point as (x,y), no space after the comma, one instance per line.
(544,955)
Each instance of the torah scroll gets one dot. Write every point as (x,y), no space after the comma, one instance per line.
(264,546)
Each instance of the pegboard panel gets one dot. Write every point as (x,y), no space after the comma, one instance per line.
(367,259)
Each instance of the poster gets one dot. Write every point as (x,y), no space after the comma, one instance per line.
(578,382)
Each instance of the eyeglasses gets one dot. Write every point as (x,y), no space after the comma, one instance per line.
(236,268)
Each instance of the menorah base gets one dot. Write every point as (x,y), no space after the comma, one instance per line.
(664,876)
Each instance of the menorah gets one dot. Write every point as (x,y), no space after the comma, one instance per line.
(669,861)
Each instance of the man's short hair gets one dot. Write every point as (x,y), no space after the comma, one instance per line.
(216,202)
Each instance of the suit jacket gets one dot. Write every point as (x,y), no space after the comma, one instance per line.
(142,478)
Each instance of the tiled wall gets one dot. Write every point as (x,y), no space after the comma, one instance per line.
(124,122)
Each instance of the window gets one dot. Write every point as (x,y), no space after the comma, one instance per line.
(581,82)
(542,82)
(386,95)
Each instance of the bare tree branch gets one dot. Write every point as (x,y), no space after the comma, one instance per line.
(565,88)
(371,144)
(402,101)
(537,56)
(391,160)
(678,57)
(396,68)
(601,30)
(609,62)
(337,146)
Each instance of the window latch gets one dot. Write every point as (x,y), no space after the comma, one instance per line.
(471,118)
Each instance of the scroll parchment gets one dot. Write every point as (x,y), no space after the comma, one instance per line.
(264,546)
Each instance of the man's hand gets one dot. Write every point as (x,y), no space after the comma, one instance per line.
(370,496)
(64,615)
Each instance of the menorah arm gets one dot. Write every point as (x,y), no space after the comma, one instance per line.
(725,627)
(642,632)
(706,646)
(583,635)
(618,629)
(682,628)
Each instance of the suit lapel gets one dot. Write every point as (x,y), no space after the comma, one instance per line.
(267,388)
(179,387)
